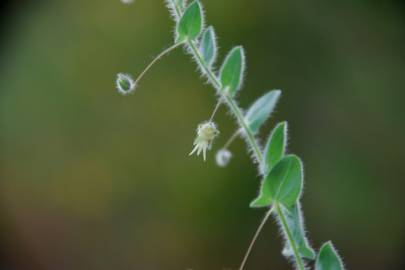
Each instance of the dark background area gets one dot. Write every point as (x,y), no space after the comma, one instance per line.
(93,180)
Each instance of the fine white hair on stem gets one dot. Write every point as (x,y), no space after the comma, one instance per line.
(297,210)
(299,263)
(200,68)
(171,6)
(251,151)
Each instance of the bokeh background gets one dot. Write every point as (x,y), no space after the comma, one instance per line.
(94,180)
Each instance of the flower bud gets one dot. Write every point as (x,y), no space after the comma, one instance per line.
(125,84)
(223,157)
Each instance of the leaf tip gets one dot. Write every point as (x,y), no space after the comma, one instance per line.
(328,258)
(259,202)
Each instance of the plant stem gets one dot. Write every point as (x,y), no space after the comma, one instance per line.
(229,100)
(177,9)
(258,231)
(246,129)
(216,109)
(231,139)
(298,259)
(237,112)
(157,58)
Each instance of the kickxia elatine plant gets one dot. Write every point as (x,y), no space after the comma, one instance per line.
(282,174)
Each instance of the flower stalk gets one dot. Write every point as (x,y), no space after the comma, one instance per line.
(155,60)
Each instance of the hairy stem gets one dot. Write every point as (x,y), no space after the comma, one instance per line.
(250,138)
(298,259)
(237,112)
(258,231)
(248,132)
(177,8)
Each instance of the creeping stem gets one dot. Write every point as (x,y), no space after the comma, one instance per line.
(298,259)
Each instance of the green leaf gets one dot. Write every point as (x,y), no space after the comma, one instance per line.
(275,147)
(295,223)
(283,184)
(191,23)
(328,258)
(232,70)
(261,110)
(208,46)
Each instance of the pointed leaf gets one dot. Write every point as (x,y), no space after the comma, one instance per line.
(261,110)
(208,46)
(275,147)
(191,23)
(232,70)
(295,223)
(328,258)
(283,184)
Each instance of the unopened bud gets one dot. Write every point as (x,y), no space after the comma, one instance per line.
(125,84)
(223,157)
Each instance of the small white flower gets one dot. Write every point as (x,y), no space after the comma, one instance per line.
(125,84)
(206,133)
(223,157)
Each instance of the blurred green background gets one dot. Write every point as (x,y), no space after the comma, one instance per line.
(94,180)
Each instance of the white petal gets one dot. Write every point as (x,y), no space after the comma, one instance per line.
(194,149)
(199,149)
(205,153)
